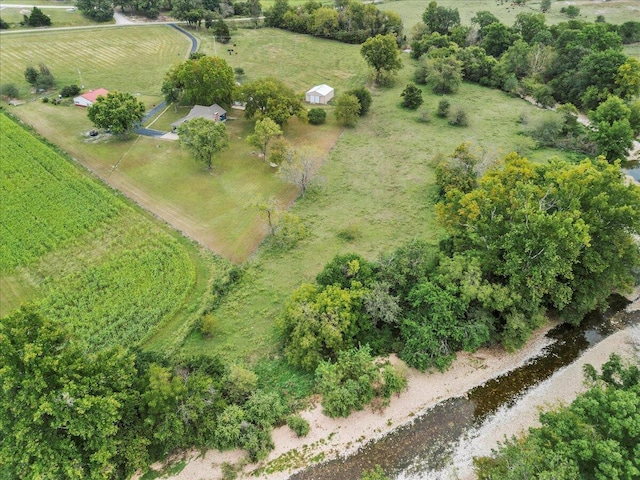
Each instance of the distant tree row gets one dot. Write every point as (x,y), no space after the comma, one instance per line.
(349,21)
(522,240)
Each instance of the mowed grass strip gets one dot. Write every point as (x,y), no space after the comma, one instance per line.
(83,255)
(60,17)
(131,59)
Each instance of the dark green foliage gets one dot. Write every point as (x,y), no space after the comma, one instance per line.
(299,425)
(594,437)
(351,22)
(477,66)
(443,108)
(37,18)
(547,132)
(353,381)
(459,118)
(70,91)
(265,409)
(41,78)
(364,98)
(444,74)
(347,110)
(118,112)
(269,97)
(571,11)
(613,133)
(221,31)
(317,116)
(345,269)
(629,32)
(98,10)
(411,97)
(3,25)
(9,90)
(440,19)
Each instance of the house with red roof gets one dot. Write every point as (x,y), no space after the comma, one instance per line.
(87,99)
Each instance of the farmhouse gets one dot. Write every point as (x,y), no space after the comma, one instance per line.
(215,112)
(319,94)
(87,99)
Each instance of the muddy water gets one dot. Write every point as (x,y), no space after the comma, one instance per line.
(429,447)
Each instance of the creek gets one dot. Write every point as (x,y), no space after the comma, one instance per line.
(441,441)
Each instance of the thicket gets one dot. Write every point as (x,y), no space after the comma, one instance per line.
(594,437)
(523,240)
(351,22)
(110,412)
(37,18)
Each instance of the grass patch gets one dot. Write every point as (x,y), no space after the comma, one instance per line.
(131,59)
(60,17)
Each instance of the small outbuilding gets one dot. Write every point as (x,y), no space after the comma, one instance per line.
(214,112)
(88,99)
(320,94)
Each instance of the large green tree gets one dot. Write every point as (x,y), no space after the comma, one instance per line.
(612,131)
(204,138)
(264,131)
(61,407)
(118,112)
(269,97)
(382,54)
(202,81)
(347,110)
(440,19)
(98,10)
(553,235)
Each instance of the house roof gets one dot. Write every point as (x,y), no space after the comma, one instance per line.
(321,89)
(92,95)
(213,112)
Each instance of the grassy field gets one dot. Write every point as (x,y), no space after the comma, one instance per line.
(60,17)
(377,183)
(86,257)
(119,58)
(300,61)
(614,11)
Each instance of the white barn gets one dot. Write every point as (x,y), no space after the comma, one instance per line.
(87,99)
(320,94)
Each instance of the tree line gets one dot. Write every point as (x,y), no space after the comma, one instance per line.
(522,241)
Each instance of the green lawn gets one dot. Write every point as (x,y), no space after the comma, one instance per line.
(132,59)
(60,17)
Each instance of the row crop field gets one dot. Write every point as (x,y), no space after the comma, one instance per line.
(132,59)
(82,254)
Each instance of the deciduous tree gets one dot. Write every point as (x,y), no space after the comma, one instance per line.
(381,53)
(347,110)
(612,130)
(269,97)
(204,138)
(117,112)
(264,131)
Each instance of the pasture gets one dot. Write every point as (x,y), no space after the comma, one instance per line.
(116,58)
(60,17)
(86,257)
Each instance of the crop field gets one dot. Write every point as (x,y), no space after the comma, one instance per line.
(82,254)
(131,59)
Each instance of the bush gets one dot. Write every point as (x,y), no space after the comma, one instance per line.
(364,97)
(9,90)
(459,118)
(317,116)
(3,25)
(37,18)
(70,91)
(424,116)
(299,425)
(571,11)
(240,384)
(239,71)
(443,108)
(208,325)
(265,409)
(411,97)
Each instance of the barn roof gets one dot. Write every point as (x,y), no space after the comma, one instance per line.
(213,112)
(323,89)
(93,94)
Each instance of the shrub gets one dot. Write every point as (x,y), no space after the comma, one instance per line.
(571,11)
(424,116)
(9,90)
(351,232)
(443,108)
(265,409)
(364,97)
(299,425)
(240,383)
(412,97)
(37,18)
(459,118)
(3,25)
(70,91)
(317,116)
(208,325)
(239,71)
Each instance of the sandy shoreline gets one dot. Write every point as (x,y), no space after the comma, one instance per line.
(337,437)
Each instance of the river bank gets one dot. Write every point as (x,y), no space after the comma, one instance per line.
(332,438)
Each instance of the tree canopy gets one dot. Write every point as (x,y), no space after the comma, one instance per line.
(204,138)
(382,54)
(269,97)
(200,81)
(118,112)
